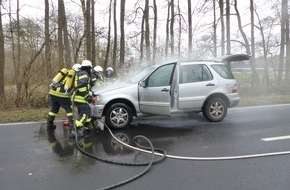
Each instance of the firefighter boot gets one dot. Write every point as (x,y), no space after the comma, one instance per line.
(50,125)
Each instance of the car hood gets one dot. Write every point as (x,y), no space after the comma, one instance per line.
(112,87)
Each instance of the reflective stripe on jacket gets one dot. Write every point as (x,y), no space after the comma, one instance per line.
(59,91)
(82,82)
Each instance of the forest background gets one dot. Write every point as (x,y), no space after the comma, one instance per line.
(38,38)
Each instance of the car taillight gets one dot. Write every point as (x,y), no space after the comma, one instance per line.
(235,89)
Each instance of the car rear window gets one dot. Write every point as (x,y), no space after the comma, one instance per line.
(224,71)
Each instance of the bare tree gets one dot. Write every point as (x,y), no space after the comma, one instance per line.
(228,27)
(255,77)
(122,36)
(265,51)
(109,36)
(189,27)
(172,28)
(93,41)
(287,41)
(214,30)
(88,33)
(47,43)
(282,41)
(221,5)
(60,36)
(154,31)
(115,37)
(2,60)
(167,28)
(68,62)
(87,28)
(147,31)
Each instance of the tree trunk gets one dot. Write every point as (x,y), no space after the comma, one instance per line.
(228,27)
(265,52)
(189,28)
(115,37)
(2,60)
(93,54)
(19,95)
(221,5)
(287,42)
(122,37)
(67,60)
(179,29)
(154,32)
(255,78)
(167,29)
(60,39)
(109,36)
(214,30)
(47,44)
(88,30)
(147,32)
(172,28)
(283,39)
(142,39)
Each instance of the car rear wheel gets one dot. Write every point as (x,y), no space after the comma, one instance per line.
(118,115)
(215,109)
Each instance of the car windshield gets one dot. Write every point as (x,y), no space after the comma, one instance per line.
(138,75)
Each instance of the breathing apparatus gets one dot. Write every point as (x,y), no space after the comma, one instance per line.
(60,75)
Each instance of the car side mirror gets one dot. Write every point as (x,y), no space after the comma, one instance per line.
(142,83)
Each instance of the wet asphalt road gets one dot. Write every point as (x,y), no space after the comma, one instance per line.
(32,159)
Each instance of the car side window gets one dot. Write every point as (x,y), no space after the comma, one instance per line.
(194,73)
(161,76)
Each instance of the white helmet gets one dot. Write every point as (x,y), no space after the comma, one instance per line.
(86,63)
(98,69)
(76,67)
(109,69)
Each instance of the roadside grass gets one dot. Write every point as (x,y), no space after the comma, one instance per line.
(27,114)
(39,114)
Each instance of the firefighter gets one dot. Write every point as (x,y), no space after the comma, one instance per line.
(59,98)
(97,77)
(109,75)
(82,97)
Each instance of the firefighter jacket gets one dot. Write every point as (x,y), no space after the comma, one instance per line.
(58,90)
(97,81)
(82,84)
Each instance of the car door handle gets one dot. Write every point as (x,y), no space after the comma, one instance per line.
(210,84)
(165,90)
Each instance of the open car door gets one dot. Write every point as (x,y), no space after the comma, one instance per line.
(155,91)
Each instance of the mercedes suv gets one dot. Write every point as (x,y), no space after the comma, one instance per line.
(166,89)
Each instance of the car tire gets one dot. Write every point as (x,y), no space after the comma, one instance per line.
(119,115)
(215,109)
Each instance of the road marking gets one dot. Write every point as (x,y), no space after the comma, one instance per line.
(276,138)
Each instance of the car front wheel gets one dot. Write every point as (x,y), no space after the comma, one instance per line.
(118,115)
(215,109)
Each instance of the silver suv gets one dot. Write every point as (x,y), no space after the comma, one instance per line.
(178,87)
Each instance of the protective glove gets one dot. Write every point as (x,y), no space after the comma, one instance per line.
(89,99)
